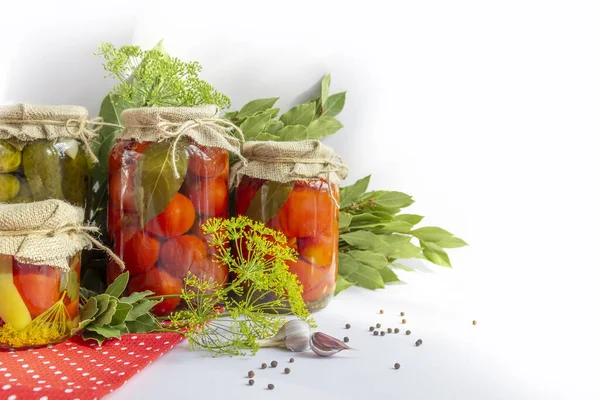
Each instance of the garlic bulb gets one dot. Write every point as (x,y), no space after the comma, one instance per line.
(293,335)
(325,345)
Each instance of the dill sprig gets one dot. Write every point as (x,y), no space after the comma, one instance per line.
(152,78)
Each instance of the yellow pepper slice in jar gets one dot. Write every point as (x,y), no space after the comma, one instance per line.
(13,310)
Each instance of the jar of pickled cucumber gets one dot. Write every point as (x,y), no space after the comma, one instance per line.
(40,266)
(44,153)
(168,174)
(293,187)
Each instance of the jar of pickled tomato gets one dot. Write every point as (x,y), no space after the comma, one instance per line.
(168,174)
(293,187)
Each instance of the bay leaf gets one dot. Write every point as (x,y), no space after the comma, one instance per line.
(144,324)
(335,104)
(342,284)
(136,296)
(268,200)
(266,137)
(435,254)
(345,220)
(273,126)
(369,258)
(155,180)
(431,234)
(363,240)
(395,227)
(367,277)
(89,335)
(388,275)
(105,331)
(292,133)
(254,125)
(89,310)
(121,313)
(325,83)
(350,194)
(323,127)
(410,218)
(347,265)
(105,317)
(143,307)
(390,200)
(256,106)
(302,114)
(451,243)
(117,288)
(42,167)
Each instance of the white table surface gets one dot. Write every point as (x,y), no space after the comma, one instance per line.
(502,357)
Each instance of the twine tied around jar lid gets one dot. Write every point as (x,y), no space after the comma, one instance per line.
(24,122)
(201,124)
(290,162)
(48,233)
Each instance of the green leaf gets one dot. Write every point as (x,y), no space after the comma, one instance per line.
(345,220)
(342,284)
(335,104)
(105,331)
(273,127)
(369,258)
(431,234)
(141,309)
(325,83)
(254,125)
(121,313)
(156,174)
(451,243)
(110,111)
(368,219)
(256,106)
(435,254)
(403,250)
(292,133)
(302,114)
(231,115)
(272,112)
(352,193)
(363,240)
(144,324)
(410,218)
(103,301)
(117,288)
(367,277)
(122,327)
(87,335)
(396,227)
(135,297)
(268,200)
(347,265)
(266,137)
(403,267)
(89,310)
(323,127)
(105,317)
(388,275)
(390,199)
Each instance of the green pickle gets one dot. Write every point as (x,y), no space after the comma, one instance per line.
(10,157)
(75,178)
(42,167)
(9,187)
(24,195)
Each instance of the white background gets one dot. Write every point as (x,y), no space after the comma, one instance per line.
(485,111)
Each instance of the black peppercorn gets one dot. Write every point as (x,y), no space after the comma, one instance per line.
(287,371)
(402,314)
(376,333)
(263,365)
(348,326)
(380,311)
(270,386)
(250,374)
(382,333)
(346,339)
(251,382)
(397,330)
(397,365)
(418,342)
(292,360)
(273,364)
(474,322)
(403,321)
(371,328)
(408,332)
(378,325)
(389,330)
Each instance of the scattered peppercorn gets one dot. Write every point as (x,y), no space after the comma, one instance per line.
(474,322)
(380,311)
(287,371)
(251,382)
(397,365)
(273,364)
(263,366)
(382,333)
(397,330)
(403,321)
(408,332)
(378,326)
(270,386)
(250,374)
(389,330)
(371,328)
(348,326)
(292,360)
(418,342)
(376,333)
(402,314)
(346,339)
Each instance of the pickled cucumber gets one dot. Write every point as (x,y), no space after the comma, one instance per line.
(9,187)
(42,166)
(75,178)
(24,195)
(10,157)
(13,309)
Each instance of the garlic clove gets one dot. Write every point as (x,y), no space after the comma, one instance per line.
(293,335)
(325,345)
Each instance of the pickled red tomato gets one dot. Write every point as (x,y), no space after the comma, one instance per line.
(209,196)
(119,220)
(175,220)
(121,192)
(125,153)
(161,283)
(181,254)
(308,211)
(245,192)
(139,250)
(311,278)
(318,250)
(207,161)
(38,286)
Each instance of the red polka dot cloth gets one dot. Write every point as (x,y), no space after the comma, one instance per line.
(77,369)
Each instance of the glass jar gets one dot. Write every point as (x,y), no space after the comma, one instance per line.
(158,201)
(39,304)
(309,219)
(42,155)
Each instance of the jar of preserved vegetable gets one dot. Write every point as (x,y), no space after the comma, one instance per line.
(168,174)
(40,253)
(44,153)
(293,187)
